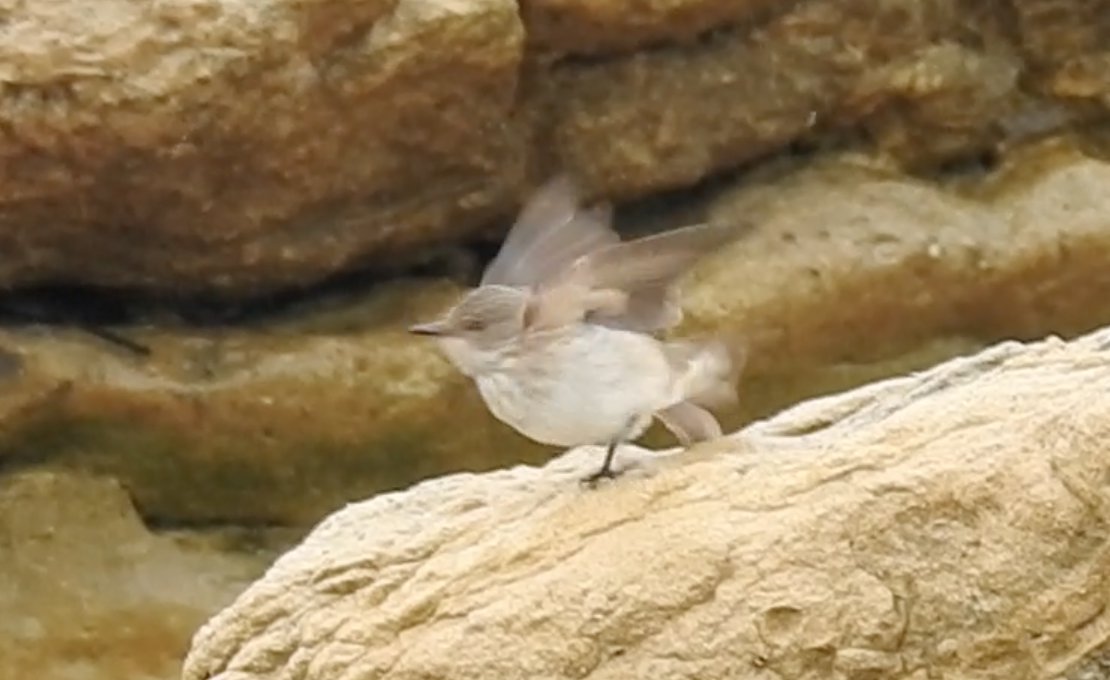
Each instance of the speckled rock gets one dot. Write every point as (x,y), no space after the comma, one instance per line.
(947,524)
(854,272)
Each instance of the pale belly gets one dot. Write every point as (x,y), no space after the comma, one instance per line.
(592,388)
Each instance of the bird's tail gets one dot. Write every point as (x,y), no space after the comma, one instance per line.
(707,370)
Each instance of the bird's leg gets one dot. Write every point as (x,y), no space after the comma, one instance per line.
(606,471)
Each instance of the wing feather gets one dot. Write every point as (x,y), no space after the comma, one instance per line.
(628,284)
(552,231)
(578,269)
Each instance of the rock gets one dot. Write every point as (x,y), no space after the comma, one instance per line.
(1095,667)
(990,259)
(852,274)
(243,426)
(951,523)
(946,101)
(88,592)
(672,116)
(230,151)
(589,27)
(1067,47)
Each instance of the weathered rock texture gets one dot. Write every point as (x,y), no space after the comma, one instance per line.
(233,148)
(948,524)
(87,592)
(853,273)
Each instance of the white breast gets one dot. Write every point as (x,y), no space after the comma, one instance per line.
(584,387)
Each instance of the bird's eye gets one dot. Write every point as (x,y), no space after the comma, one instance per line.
(473,325)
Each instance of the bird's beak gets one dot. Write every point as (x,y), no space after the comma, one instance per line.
(430,328)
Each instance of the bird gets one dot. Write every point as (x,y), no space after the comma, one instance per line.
(561,333)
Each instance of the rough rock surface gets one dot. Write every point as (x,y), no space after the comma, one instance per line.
(229,146)
(952,523)
(671,116)
(851,269)
(593,27)
(1068,46)
(88,592)
(233,148)
(1008,253)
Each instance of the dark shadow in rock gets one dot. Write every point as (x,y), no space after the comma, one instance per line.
(90,310)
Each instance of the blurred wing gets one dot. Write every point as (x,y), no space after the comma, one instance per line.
(644,311)
(629,285)
(650,263)
(552,231)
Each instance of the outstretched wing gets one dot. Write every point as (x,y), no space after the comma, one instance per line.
(551,233)
(629,284)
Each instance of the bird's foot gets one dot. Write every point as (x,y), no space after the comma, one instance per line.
(606,471)
(591,481)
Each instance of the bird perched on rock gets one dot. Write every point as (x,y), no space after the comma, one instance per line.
(559,336)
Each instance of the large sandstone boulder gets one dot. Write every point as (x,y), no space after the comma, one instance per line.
(231,149)
(952,523)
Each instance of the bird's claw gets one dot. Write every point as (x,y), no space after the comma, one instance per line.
(590,481)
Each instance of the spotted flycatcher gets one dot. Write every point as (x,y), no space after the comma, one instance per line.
(560,335)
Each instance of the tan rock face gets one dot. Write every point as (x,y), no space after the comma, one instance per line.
(238,147)
(234,149)
(1068,45)
(590,27)
(88,592)
(241,426)
(951,523)
(995,255)
(854,273)
(672,116)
